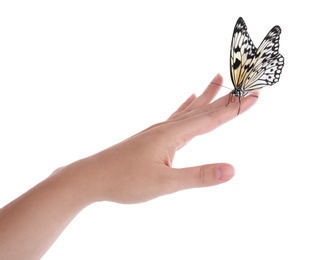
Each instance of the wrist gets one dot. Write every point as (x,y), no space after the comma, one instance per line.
(79,183)
(35,219)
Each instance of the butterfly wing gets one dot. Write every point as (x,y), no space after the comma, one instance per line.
(266,65)
(242,53)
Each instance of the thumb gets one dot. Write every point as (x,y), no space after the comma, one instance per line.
(202,176)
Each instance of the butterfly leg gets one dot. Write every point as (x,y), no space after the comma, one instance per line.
(239,98)
(230,96)
(231,99)
(254,95)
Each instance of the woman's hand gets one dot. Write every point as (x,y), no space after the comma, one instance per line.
(133,171)
(140,168)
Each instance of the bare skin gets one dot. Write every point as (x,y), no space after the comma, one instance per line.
(135,170)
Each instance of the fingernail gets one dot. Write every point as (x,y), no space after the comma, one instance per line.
(224,173)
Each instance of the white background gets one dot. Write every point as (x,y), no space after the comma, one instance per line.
(79,76)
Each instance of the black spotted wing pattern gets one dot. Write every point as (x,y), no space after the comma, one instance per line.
(251,68)
(242,53)
(267,63)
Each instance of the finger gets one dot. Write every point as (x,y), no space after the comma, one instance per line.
(208,94)
(205,98)
(200,176)
(221,102)
(184,130)
(185,104)
(201,103)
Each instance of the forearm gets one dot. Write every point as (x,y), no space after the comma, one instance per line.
(30,224)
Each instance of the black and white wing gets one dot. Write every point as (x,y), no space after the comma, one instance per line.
(242,53)
(267,63)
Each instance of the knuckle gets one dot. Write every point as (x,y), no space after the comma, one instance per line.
(204,176)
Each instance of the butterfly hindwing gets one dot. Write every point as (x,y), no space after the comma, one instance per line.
(265,74)
(267,63)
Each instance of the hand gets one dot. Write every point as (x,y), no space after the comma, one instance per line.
(140,168)
(135,170)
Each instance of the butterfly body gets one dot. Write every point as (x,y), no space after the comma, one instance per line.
(254,68)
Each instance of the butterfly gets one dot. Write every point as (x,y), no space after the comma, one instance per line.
(251,68)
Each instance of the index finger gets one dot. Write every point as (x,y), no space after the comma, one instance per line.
(185,130)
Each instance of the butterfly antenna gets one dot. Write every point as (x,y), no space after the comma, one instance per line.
(220,85)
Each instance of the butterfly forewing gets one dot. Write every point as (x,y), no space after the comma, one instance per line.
(242,53)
